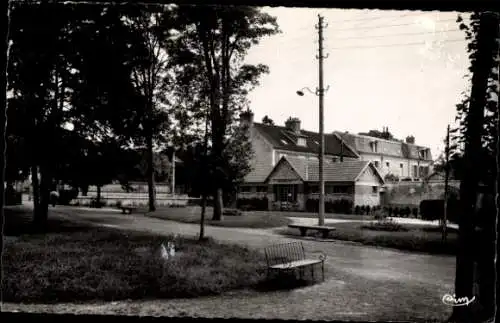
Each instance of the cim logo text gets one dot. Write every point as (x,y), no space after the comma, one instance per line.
(452,300)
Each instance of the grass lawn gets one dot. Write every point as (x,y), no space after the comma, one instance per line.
(84,264)
(411,237)
(256,220)
(314,215)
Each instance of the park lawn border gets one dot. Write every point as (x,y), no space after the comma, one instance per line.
(416,239)
(246,220)
(104,264)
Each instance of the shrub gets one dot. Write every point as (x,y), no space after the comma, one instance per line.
(95,204)
(356,209)
(252,204)
(395,211)
(338,206)
(368,209)
(346,206)
(12,197)
(407,211)
(379,214)
(414,212)
(434,209)
(312,205)
(65,196)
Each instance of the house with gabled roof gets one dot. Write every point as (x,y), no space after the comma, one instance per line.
(404,159)
(272,143)
(296,181)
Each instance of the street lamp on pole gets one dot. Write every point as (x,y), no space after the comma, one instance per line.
(321,209)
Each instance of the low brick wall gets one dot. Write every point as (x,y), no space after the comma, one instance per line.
(133,200)
(412,193)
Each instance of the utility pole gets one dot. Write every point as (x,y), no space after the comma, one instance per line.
(321,93)
(446,178)
(173,173)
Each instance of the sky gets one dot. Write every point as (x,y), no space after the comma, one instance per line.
(398,69)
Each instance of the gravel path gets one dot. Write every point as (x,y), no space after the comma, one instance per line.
(362,282)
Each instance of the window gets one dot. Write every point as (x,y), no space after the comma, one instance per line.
(283,141)
(313,188)
(245,189)
(414,173)
(340,189)
(336,189)
(373,146)
(376,163)
(262,189)
(374,189)
(387,164)
(401,165)
(301,142)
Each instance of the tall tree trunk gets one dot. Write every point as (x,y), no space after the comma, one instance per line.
(41,215)
(151,174)
(203,210)
(3,119)
(98,196)
(205,181)
(36,190)
(497,199)
(464,278)
(218,204)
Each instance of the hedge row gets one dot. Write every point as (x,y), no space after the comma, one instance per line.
(365,209)
(400,211)
(434,210)
(338,206)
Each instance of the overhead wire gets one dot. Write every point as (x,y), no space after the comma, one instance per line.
(396,45)
(397,35)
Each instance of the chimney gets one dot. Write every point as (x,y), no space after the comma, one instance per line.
(293,124)
(246,118)
(410,140)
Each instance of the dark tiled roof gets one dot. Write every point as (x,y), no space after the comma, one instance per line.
(346,171)
(282,138)
(361,144)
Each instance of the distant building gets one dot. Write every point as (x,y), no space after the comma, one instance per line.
(295,181)
(277,148)
(406,160)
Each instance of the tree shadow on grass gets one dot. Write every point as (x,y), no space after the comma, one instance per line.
(19,222)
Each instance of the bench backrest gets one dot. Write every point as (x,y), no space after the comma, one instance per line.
(284,252)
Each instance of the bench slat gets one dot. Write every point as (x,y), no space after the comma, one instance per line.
(313,227)
(295,264)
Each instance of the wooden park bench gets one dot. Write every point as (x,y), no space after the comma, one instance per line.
(291,256)
(303,229)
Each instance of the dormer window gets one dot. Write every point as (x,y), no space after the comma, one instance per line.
(283,141)
(301,142)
